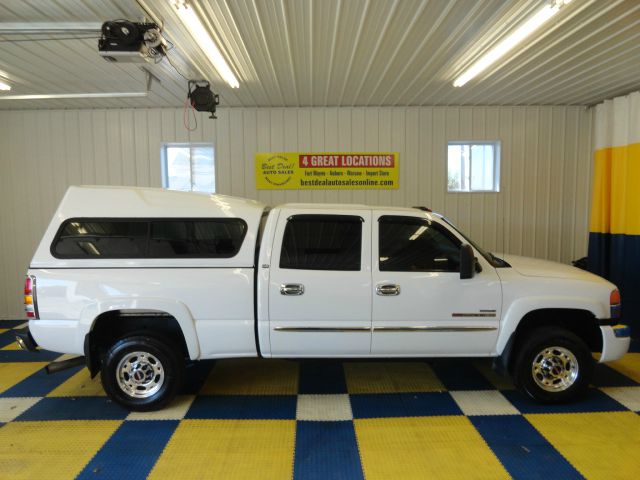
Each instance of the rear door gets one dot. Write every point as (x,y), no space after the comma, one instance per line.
(320,284)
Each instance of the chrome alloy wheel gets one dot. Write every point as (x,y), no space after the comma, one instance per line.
(555,369)
(140,374)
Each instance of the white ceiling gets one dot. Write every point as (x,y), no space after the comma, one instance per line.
(337,53)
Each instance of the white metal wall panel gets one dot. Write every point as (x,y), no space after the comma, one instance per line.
(541,210)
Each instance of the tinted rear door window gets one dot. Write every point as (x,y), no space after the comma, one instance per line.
(322,242)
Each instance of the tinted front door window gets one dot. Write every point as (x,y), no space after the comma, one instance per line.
(411,244)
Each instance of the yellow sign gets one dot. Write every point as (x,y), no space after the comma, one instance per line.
(302,171)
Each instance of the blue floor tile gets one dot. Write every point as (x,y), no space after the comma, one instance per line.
(322,376)
(521,449)
(7,338)
(74,408)
(403,405)
(267,407)
(132,450)
(40,383)
(12,323)
(592,401)
(460,375)
(326,450)
(24,356)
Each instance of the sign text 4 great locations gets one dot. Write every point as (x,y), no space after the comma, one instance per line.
(344,170)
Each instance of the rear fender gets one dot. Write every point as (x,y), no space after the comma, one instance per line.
(176,309)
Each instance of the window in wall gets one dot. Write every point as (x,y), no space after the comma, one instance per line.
(473,166)
(411,244)
(322,242)
(189,167)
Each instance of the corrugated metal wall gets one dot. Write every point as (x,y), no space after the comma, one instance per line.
(541,210)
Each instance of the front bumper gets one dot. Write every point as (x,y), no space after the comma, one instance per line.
(615,342)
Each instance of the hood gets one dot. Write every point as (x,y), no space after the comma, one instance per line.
(533,267)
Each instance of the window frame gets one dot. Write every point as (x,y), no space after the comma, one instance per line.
(164,168)
(497,159)
(148,221)
(325,215)
(439,227)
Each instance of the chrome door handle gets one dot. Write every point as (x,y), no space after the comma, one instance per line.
(388,290)
(291,289)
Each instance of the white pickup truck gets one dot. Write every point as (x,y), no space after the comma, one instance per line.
(137,281)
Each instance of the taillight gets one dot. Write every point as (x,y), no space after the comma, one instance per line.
(29,297)
(615,304)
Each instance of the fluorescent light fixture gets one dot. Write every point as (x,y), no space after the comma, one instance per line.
(4,86)
(36,28)
(189,17)
(510,42)
(52,96)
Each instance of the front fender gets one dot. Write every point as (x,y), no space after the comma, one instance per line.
(519,308)
(176,309)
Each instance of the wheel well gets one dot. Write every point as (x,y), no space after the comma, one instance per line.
(580,322)
(110,326)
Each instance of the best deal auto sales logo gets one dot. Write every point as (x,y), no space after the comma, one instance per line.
(277,170)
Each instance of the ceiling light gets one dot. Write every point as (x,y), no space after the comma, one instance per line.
(4,86)
(511,41)
(52,96)
(205,42)
(49,28)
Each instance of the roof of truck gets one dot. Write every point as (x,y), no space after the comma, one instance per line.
(108,201)
(344,206)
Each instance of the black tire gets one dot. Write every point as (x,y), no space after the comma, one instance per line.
(563,365)
(156,376)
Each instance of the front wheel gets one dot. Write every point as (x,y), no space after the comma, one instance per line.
(553,366)
(142,372)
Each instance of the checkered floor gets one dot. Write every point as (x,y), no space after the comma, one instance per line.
(316,419)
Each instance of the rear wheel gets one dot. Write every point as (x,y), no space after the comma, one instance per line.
(553,366)
(142,372)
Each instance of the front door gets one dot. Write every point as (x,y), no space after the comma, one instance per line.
(420,304)
(320,284)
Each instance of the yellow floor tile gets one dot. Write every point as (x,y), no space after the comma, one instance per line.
(391,377)
(599,445)
(628,365)
(79,385)
(248,376)
(12,373)
(447,447)
(11,346)
(51,450)
(2,330)
(228,449)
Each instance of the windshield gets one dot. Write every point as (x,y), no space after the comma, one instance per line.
(488,256)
